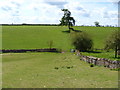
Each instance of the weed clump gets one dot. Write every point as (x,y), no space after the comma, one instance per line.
(91,65)
(56,68)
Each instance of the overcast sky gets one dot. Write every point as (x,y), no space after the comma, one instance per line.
(85,12)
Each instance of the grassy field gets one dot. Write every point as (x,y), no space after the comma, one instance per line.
(98,34)
(17,37)
(103,54)
(51,70)
(32,37)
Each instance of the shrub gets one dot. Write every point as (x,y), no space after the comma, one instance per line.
(113,42)
(117,69)
(82,41)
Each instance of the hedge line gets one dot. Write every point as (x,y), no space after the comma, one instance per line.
(28,50)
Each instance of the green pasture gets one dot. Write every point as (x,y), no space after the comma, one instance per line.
(102,54)
(35,37)
(54,70)
(21,37)
(98,34)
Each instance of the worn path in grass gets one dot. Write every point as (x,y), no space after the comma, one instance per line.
(54,70)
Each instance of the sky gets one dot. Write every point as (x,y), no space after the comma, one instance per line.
(85,12)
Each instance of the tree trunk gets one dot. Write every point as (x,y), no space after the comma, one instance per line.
(69,27)
(116,51)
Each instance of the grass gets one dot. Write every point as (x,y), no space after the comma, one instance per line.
(102,54)
(51,70)
(35,37)
(98,34)
(17,37)
(32,37)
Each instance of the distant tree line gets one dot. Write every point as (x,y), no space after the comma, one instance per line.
(51,25)
(29,24)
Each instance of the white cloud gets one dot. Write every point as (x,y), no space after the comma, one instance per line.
(113,0)
(77,9)
(40,13)
(110,14)
(49,11)
(56,2)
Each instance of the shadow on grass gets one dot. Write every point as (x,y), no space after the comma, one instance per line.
(76,30)
(67,31)
(92,51)
(116,58)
